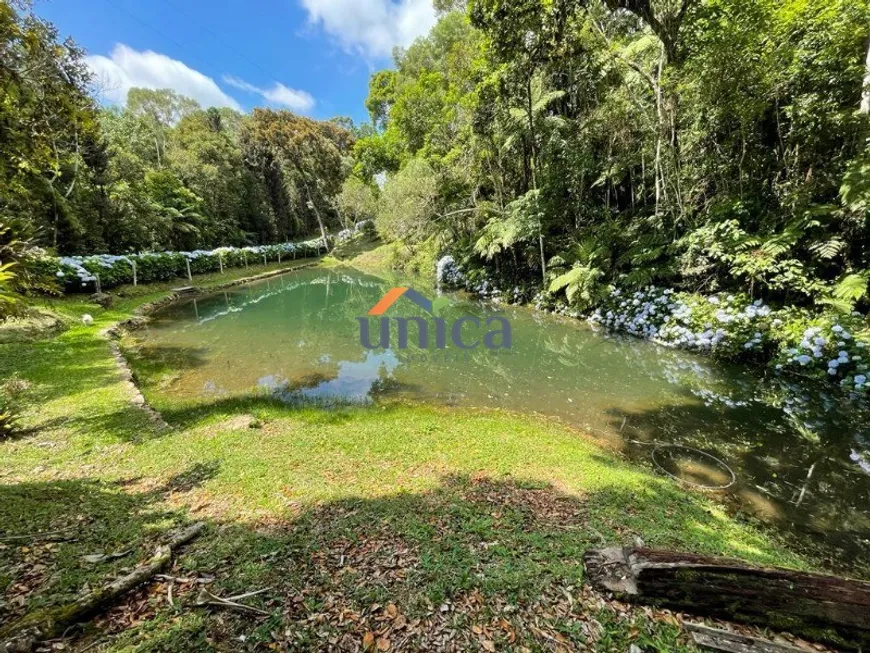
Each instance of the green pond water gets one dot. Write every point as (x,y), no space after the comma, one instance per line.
(800,454)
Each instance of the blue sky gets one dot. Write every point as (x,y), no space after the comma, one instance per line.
(313,57)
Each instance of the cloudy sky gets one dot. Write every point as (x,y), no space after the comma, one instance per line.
(311,56)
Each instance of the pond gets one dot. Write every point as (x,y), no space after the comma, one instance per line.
(799,454)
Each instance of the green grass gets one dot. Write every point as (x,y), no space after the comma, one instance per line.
(407,522)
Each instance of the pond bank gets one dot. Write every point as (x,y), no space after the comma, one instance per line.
(421,522)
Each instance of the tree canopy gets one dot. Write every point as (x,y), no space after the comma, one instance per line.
(158,173)
(706,143)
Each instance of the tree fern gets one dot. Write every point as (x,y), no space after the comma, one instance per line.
(852,288)
(849,291)
(828,249)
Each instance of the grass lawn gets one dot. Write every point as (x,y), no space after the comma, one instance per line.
(386,528)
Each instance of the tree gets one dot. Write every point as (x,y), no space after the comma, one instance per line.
(408,205)
(356,202)
(303,163)
(47,117)
(159,111)
(177,209)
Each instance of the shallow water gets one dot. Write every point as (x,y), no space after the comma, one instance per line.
(800,454)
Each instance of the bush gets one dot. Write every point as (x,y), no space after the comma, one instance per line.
(80,273)
(448,273)
(10,392)
(828,345)
(724,325)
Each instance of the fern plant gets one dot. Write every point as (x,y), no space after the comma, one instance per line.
(850,290)
(589,260)
(8,301)
(10,391)
(581,285)
(8,420)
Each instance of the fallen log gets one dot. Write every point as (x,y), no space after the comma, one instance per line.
(23,635)
(820,608)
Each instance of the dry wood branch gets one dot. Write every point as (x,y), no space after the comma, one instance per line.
(207,599)
(724,640)
(35,627)
(62,535)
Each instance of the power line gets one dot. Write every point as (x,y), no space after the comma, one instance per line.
(220,38)
(145,23)
(181,45)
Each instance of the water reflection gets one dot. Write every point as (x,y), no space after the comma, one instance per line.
(354,382)
(801,452)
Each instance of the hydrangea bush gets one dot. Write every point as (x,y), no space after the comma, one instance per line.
(365,227)
(723,325)
(726,325)
(835,347)
(448,274)
(80,273)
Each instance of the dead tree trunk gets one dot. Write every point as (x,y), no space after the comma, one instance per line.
(821,608)
(24,634)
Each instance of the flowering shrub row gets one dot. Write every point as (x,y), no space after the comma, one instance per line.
(80,273)
(731,326)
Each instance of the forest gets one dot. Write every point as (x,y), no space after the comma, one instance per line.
(706,145)
(158,174)
(561,146)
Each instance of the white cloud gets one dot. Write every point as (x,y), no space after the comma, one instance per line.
(127,68)
(372,27)
(277,94)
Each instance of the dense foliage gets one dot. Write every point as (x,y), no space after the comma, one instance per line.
(704,144)
(159,173)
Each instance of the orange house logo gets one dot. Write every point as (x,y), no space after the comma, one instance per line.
(393,294)
(465,332)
